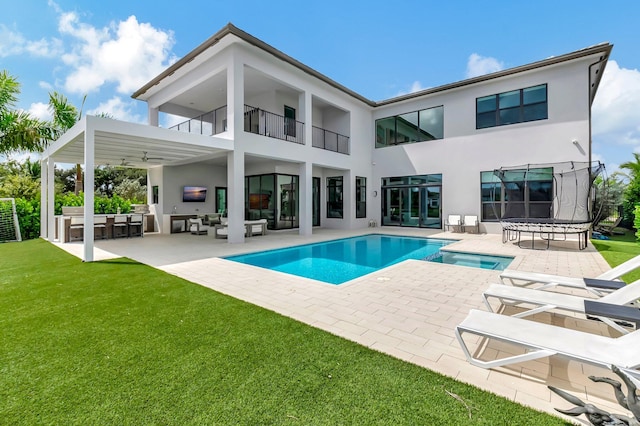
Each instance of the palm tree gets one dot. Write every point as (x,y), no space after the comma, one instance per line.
(64,116)
(632,166)
(18,130)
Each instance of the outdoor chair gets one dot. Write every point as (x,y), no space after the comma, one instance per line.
(607,228)
(100,222)
(608,308)
(470,223)
(452,221)
(197,227)
(256,227)
(76,228)
(599,285)
(120,226)
(135,226)
(544,340)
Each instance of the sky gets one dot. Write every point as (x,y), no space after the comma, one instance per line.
(380,49)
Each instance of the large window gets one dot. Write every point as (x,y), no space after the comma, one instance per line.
(520,194)
(361,197)
(516,106)
(334,197)
(416,126)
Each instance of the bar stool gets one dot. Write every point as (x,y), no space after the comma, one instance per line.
(120,226)
(135,226)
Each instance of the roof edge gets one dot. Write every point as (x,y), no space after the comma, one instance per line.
(232,29)
(604,48)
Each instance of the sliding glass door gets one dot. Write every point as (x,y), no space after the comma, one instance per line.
(412,201)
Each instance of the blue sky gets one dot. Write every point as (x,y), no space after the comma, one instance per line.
(107,50)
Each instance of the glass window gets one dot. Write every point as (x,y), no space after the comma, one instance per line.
(361,197)
(512,107)
(334,197)
(407,128)
(521,193)
(431,124)
(385,132)
(416,126)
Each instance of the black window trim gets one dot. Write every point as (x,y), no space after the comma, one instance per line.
(520,107)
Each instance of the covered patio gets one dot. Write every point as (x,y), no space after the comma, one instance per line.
(408,311)
(96,141)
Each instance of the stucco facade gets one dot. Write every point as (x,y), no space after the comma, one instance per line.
(259,112)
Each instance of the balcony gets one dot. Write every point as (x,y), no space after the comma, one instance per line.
(272,125)
(209,124)
(330,141)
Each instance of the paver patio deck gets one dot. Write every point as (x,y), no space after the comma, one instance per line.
(409,310)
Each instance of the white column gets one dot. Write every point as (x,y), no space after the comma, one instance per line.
(348,199)
(43,198)
(153,116)
(305,191)
(51,188)
(89,150)
(235,98)
(235,196)
(306,116)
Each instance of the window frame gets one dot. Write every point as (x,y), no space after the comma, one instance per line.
(361,197)
(527,202)
(394,134)
(335,200)
(500,118)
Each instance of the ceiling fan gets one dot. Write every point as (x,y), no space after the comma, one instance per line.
(145,158)
(124,163)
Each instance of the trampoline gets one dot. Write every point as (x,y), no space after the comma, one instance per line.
(550,201)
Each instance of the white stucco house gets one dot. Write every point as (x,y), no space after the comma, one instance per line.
(269,137)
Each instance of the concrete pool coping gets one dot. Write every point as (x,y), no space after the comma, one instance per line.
(408,311)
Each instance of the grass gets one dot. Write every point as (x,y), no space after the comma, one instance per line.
(118,342)
(618,249)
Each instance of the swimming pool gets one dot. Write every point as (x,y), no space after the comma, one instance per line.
(339,261)
(484,261)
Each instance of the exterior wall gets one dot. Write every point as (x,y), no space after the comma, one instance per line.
(465,152)
(197,174)
(460,157)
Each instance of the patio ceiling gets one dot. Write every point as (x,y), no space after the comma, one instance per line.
(119,143)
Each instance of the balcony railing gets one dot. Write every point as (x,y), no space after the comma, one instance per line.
(209,124)
(266,123)
(330,141)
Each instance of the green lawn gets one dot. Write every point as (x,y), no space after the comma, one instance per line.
(618,249)
(118,342)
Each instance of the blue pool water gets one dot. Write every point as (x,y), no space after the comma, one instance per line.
(484,261)
(339,261)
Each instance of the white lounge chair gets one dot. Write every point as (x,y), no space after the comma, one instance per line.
(470,222)
(598,285)
(546,340)
(452,221)
(607,308)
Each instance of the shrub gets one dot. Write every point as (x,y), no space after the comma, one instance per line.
(28,217)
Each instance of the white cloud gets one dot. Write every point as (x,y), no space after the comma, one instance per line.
(45,85)
(616,109)
(416,86)
(118,109)
(40,110)
(480,65)
(127,53)
(14,43)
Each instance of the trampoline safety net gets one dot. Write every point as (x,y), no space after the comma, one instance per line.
(552,200)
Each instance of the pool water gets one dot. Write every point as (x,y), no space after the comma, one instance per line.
(484,261)
(339,261)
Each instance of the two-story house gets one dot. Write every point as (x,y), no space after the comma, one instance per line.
(267,137)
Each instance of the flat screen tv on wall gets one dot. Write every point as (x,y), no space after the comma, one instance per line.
(194,194)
